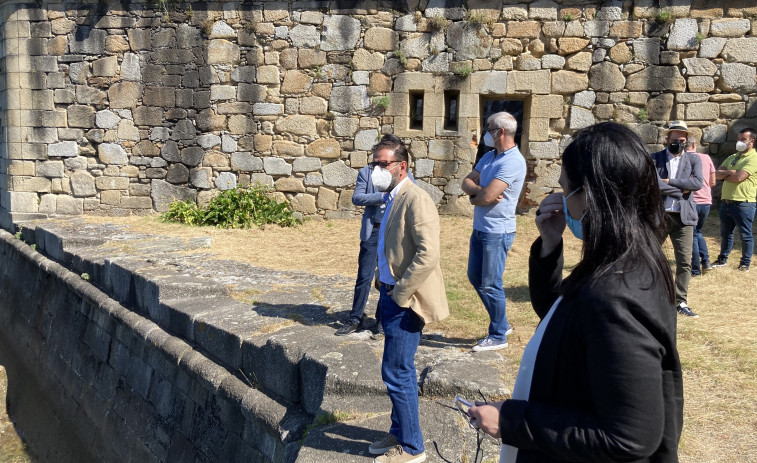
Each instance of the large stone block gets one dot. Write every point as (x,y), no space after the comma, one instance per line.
(66,205)
(700,66)
(683,35)
(657,78)
(304,203)
(324,148)
(289,185)
(200,177)
(711,47)
(163,194)
(30,184)
(547,106)
(306,165)
(66,149)
(626,29)
(730,27)
(340,33)
(536,82)
(327,199)
(570,45)
(159,96)
(191,156)
(544,150)
(305,36)
(524,29)
(338,174)
(596,28)
(743,50)
(702,111)
(112,183)
(701,84)
(124,94)
(276,166)
(659,108)
(295,82)
(287,149)
(105,67)
(226,181)
(381,39)
(737,77)
(349,99)
(364,60)
(579,118)
(469,42)
(606,77)
(569,82)
(88,41)
(50,169)
(148,116)
(296,125)
(489,82)
(647,50)
(365,139)
(112,153)
(221,51)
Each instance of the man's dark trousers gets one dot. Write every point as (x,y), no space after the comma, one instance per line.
(367,260)
(682,238)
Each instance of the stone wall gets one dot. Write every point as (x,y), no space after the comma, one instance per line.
(127,389)
(120,108)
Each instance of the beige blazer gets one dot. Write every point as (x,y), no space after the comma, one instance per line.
(412,250)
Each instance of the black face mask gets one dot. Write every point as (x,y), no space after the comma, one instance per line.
(675,147)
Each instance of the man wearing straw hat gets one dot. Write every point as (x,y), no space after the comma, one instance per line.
(679,173)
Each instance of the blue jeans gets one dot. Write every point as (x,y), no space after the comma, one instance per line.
(366,269)
(402,335)
(486,264)
(699,254)
(733,215)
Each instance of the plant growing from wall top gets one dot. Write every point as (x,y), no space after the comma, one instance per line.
(381,102)
(463,70)
(164,6)
(479,19)
(401,56)
(663,16)
(438,23)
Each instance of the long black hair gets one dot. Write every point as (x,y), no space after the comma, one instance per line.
(625,216)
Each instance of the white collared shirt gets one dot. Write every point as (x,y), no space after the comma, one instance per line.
(672,204)
(385,274)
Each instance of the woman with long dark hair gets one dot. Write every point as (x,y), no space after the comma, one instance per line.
(600,380)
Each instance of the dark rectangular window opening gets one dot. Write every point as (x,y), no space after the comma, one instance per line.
(416,110)
(451,102)
(491,105)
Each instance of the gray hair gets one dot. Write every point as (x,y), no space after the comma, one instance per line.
(690,141)
(503,120)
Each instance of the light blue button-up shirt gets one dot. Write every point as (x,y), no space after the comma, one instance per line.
(385,274)
(510,167)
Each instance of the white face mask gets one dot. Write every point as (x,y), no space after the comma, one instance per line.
(741,146)
(488,140)
(381,178)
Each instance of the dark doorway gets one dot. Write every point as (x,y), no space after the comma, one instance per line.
(490,106)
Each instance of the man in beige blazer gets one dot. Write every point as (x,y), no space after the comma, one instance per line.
(409,279)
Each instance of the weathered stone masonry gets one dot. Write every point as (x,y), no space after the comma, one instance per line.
(119,108)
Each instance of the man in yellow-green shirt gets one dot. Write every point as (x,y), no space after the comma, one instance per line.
(739,175)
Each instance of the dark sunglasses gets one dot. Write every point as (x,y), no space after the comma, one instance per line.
(382,164)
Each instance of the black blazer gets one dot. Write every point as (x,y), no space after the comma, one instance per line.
(607,382)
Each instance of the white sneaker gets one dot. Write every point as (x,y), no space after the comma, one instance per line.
(488,343)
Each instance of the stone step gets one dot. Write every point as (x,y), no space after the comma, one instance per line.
(276,334)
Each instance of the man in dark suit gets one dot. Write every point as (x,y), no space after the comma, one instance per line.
(372,199)
(679,174)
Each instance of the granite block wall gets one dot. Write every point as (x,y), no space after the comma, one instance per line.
(120,108)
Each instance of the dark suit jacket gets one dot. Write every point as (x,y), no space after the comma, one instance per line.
(688,178)
(607,382)
(367,195)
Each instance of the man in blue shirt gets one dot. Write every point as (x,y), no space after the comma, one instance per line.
(494,187)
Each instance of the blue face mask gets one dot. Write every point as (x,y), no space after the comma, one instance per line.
(575,226)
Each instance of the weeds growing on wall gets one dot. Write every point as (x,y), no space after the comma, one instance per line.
(234,208)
